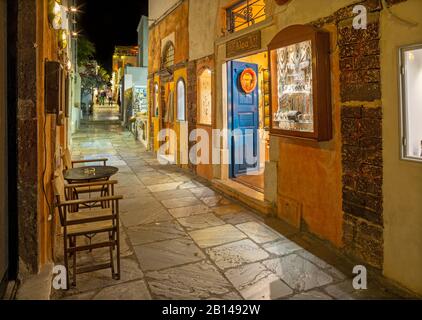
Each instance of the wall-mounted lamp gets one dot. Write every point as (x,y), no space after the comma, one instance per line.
(63,39)
(55,14)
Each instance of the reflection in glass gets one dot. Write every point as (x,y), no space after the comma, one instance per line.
(294,76)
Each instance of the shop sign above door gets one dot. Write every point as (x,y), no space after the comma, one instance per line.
(245,44)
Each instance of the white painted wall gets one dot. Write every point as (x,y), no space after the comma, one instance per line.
(159,7)
(402,179)
(203,16)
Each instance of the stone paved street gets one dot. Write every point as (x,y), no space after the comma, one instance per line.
(182,240)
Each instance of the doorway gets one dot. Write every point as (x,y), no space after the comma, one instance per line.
(248,117)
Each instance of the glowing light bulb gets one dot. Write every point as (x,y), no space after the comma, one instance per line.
(411,56)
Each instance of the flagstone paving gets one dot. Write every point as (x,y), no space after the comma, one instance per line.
(183,240)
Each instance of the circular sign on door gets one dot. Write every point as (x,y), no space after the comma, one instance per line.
(248,80)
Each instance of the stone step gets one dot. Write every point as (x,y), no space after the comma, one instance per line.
(250,197)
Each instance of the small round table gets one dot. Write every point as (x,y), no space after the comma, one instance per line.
(89,174)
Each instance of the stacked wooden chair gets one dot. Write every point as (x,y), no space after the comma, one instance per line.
(83,223)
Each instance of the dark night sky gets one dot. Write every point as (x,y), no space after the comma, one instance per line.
(110,23)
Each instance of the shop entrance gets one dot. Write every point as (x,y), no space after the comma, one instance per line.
(248,117)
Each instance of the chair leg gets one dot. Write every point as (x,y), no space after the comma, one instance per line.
(118,252)
(74,262)
(110,237)
(66,261)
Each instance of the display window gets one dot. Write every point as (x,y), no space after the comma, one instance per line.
(300,84)
(205,97)
(181,100)
(411,85)
(156,101)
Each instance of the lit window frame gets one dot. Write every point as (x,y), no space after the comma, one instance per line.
(156,100)
(181,81)
(404,105)
(199,93)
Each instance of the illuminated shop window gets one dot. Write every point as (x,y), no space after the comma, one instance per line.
(205,97)
(411,79)
(294,88)
(168,55)
(181,100)
(245,14)
(156,100)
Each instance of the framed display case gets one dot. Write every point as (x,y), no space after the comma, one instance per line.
(140,102)
(205,97)
(300,83)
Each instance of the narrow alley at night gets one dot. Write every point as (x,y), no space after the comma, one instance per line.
(238,152)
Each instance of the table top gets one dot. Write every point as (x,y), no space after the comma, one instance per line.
(90,173)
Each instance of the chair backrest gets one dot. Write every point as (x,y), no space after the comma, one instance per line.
(58,186)
(59,191)
(67,159)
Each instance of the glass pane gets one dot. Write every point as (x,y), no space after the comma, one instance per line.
(413,102)
(294,86)
(205,98)
(181,103)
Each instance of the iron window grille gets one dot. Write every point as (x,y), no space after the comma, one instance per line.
(168,55)
(244,14)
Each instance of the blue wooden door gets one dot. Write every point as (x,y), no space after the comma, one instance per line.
(243,120)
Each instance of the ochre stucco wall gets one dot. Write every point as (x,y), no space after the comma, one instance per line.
(176,22)
(402,179)
(202,22)
(309,173)
(159,7)
(50,138)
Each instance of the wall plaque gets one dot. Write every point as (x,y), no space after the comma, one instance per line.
(247,43)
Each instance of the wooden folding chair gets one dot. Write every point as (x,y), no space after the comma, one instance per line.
(88,224)
(69,163)
(102,188)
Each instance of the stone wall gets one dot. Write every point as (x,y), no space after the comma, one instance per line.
(361,124)
(191,103)
(4,212)
(27,133)
(362,183)
(38,137)
(361,132)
